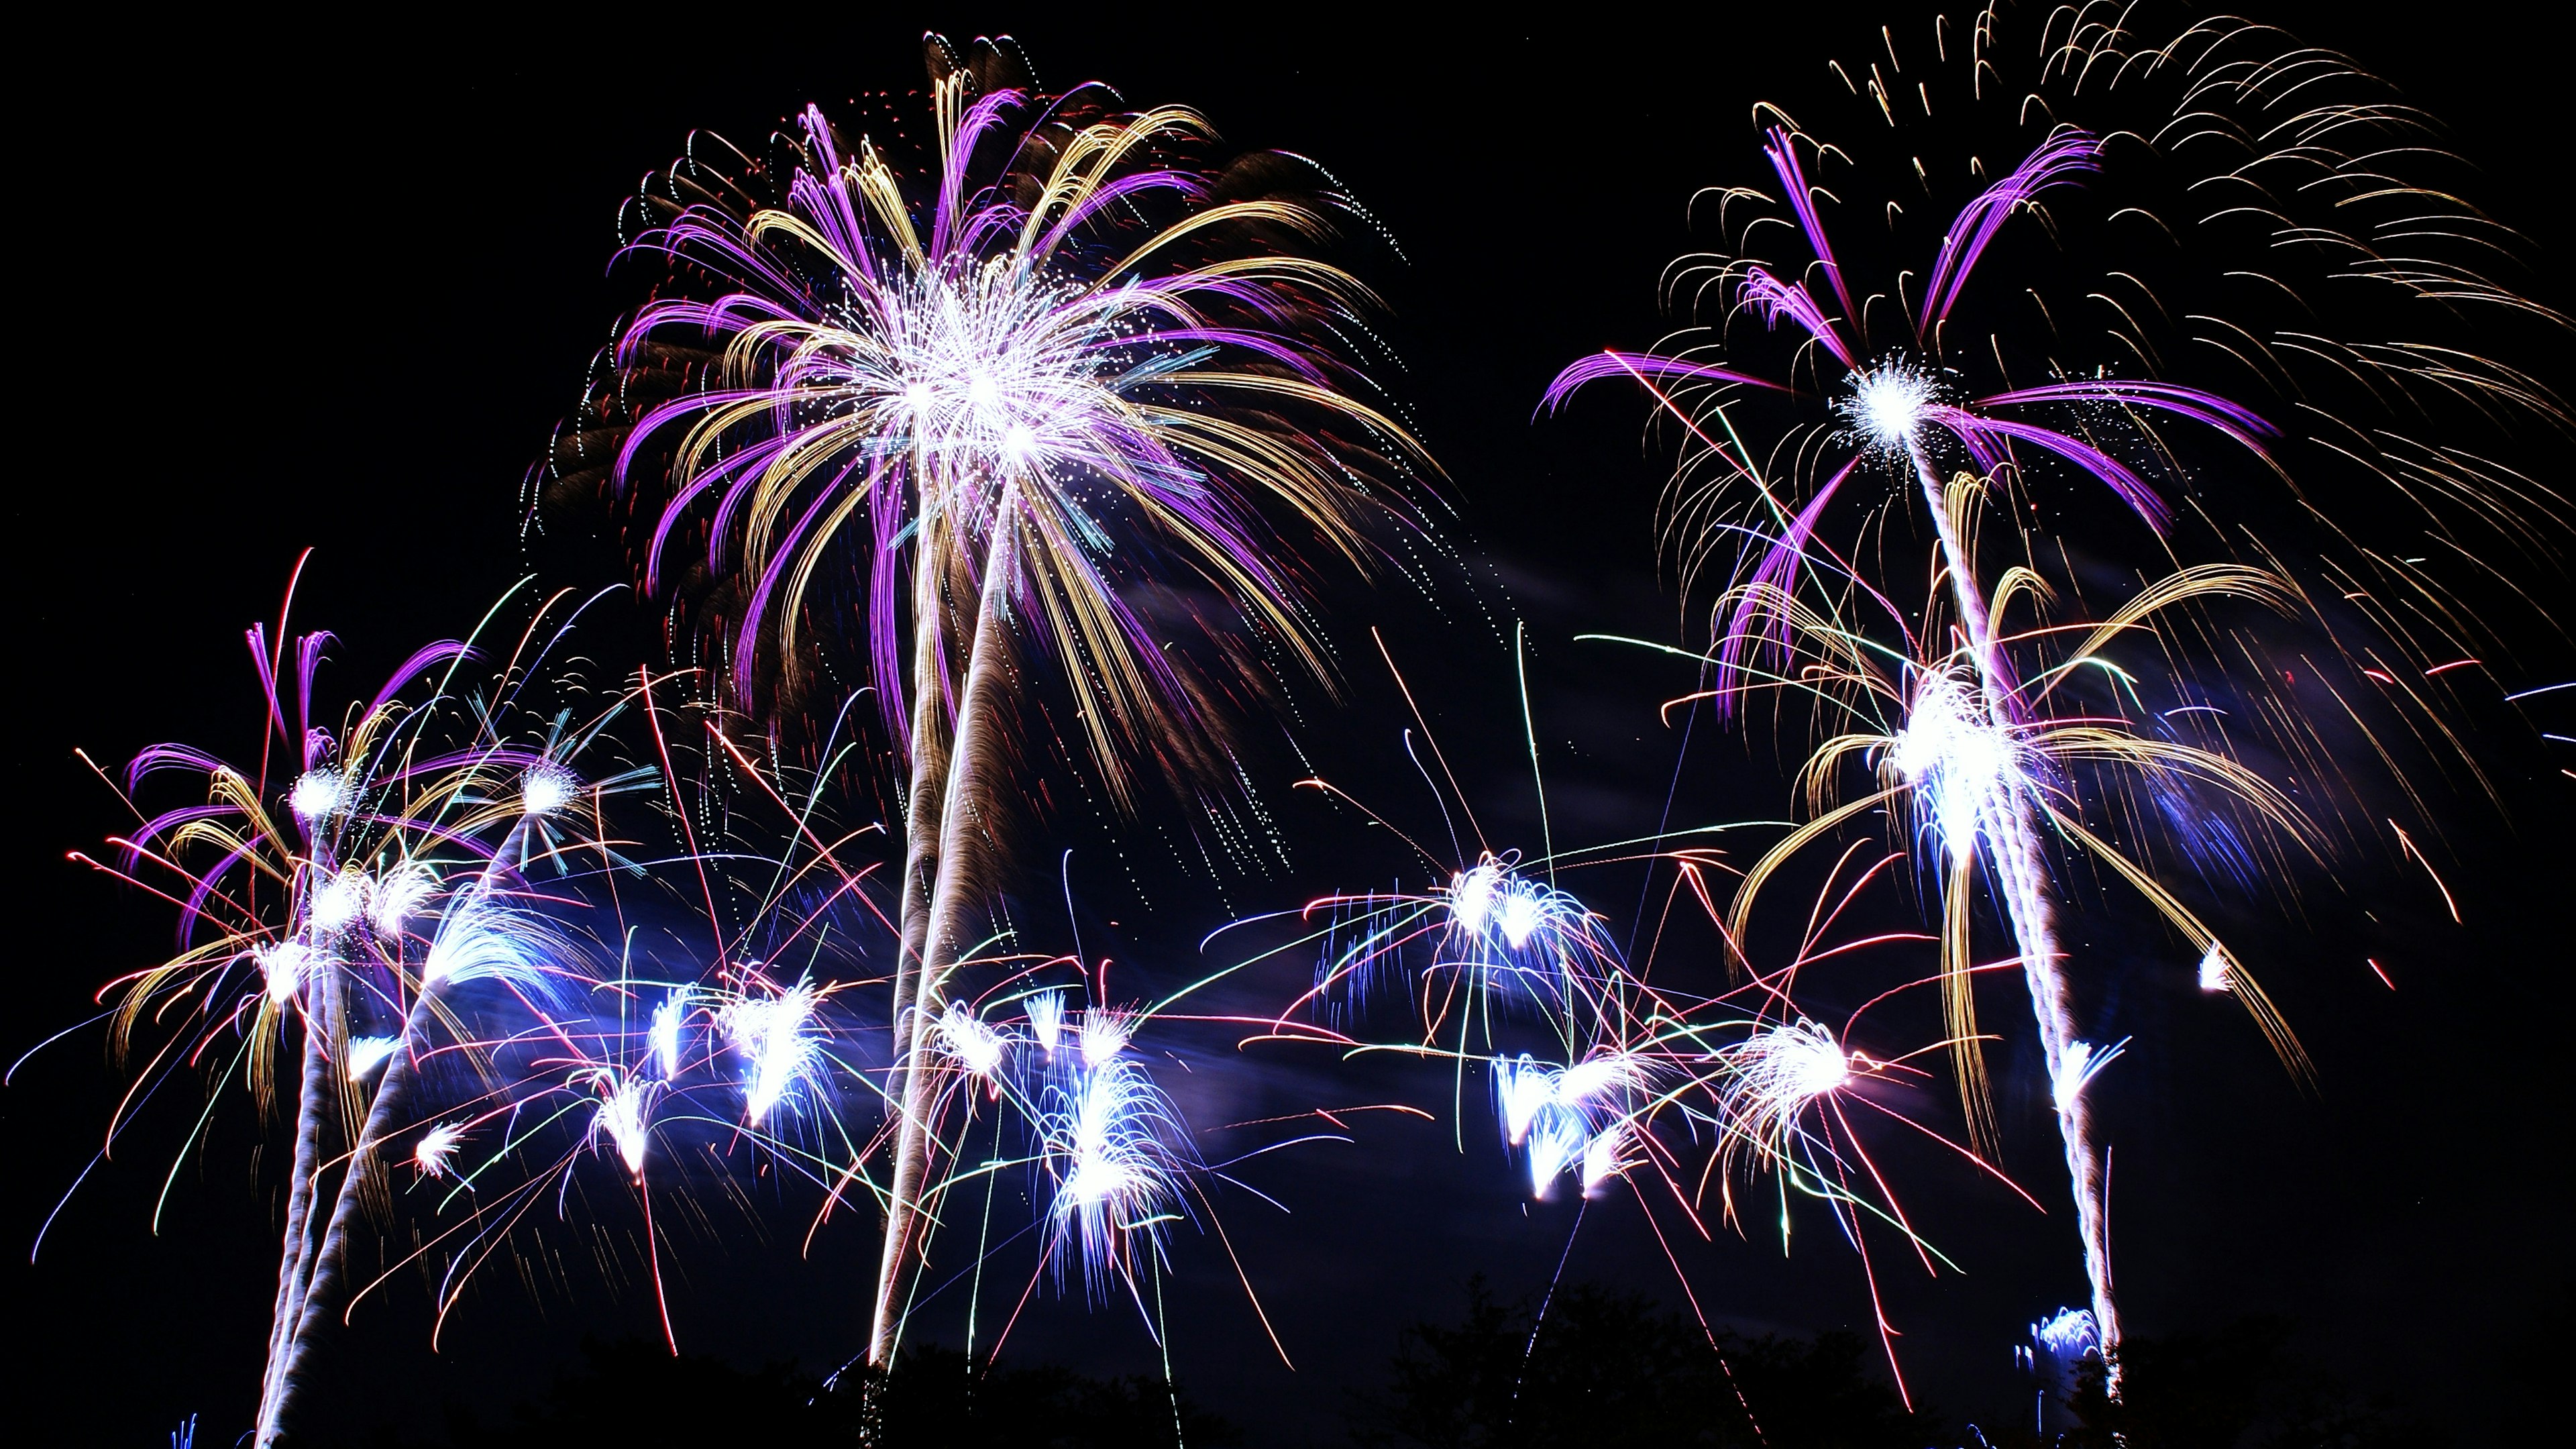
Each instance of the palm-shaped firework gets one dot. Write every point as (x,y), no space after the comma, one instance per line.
(364,888)
(1068,365)
(1897,411)
(2272,226)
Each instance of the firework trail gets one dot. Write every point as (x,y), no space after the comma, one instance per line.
(1065,363)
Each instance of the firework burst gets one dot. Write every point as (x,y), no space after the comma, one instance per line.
(1064,362)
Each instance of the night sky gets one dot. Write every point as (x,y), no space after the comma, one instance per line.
(293,287)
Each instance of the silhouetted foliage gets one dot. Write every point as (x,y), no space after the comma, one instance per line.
(1605,1368)
(2238,1388)
(635,1395)
(936,1397)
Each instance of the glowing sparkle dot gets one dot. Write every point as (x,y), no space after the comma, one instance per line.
(316,795)
(437,1145)
(339,901)
(284,966)
(1887,403)
(545,789)
(1018,442)
(366,1053)
(1813,1066)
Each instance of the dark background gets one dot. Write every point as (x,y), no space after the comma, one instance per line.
(283,286)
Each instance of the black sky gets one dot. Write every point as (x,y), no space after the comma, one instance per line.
(285,286)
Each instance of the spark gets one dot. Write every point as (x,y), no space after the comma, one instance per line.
(1887,405)
(366,1053)
(773,1032)
(1521,1088)
(546,788)
(1104,1034)
(437,1145)
(483,939)
(284,965)
(1605,1157)
(340,902)
(1961,763)
(399,895)
(318,795)
(663,1037)
(1046,1019)
(1558,1143)
(976,1046)
(2078,1066)
(621,1117)
(2067,1335)
(1110,1140)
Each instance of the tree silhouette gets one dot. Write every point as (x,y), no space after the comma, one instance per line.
(1607,1368)
(635,1395)
(2237,1388)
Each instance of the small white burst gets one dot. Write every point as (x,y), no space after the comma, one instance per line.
(664,1035)
(366,1053)
(1523,912)
(2067,1335)
(1118,1150)
(1886,405)
(1492,909)
(1521,1088)
(1961,764)
(2217,973)
(977,1047)
(482,939)
(1471,897)
(546,788)
(621,1118)
(317,795)
(339,902)
(1605,1157)
(2078,1066)
(285,965)
(437,1145)
(399,894)
(773,1033)
(1558,1143)
(1046,1019)
(1595,1076)
(1771,1078)
(1104,1034)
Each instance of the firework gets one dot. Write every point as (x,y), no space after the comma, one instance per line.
(378,915)
(1064,359)
(1963,748)
(1673,1091)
